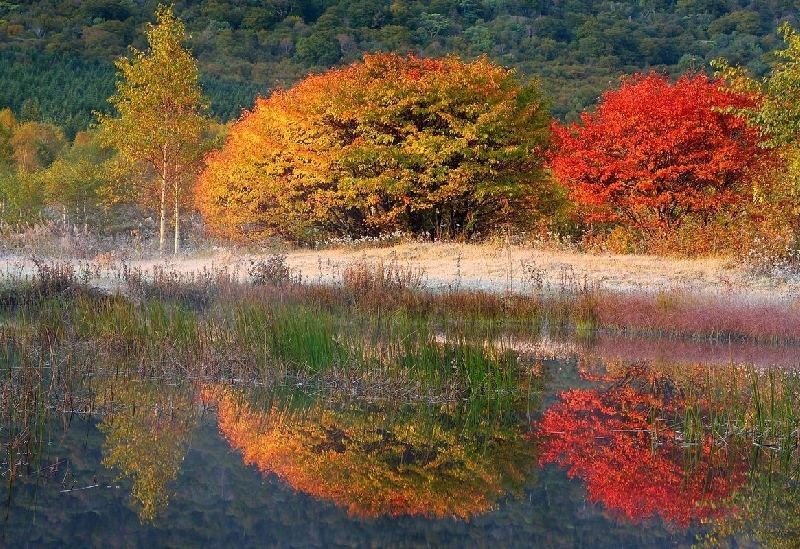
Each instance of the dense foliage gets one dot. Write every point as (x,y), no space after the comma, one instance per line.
(419,142)
(776,110)
(654,153)
(245,48)
(440,147)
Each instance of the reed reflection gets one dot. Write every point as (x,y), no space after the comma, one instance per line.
(686,443)
(643,447)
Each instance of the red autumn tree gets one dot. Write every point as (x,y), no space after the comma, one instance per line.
(654,152)
(634,462)
(436,146)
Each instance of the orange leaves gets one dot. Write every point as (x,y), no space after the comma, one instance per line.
(422,145)
(655,152)
(372,466)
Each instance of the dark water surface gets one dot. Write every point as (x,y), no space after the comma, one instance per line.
(63,493)
(218,502)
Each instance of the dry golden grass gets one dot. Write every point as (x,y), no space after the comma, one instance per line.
(490,267)
(523,269)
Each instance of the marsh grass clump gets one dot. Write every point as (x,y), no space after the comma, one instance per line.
(273,270)
(195,288)
(737,404)
(685,315)
(377,338)
(381,282)
(210,326)
(288,337)
(119,359)
(49,281)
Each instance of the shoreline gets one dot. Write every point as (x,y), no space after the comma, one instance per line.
(642,307)
(518,269)
(486,267)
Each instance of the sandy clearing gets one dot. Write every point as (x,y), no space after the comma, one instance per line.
(513,268)
(485,266)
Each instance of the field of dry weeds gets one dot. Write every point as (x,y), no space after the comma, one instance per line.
(492,267)
(522,269)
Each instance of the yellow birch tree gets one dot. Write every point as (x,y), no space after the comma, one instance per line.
(162,114)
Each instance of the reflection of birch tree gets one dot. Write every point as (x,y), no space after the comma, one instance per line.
(767,511)
(147,434)
(767,507)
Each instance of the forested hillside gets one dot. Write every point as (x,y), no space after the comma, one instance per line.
(56,58)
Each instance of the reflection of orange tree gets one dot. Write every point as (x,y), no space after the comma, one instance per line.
(632,460)
(147,432)
(414,465)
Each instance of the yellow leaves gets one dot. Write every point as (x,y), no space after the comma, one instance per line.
(146,437)
(158,98)
(369,464)
(374,142)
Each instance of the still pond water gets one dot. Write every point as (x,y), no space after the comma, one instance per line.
(587,450)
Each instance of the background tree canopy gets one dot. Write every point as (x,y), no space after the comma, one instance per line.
(439,147)
(245,48)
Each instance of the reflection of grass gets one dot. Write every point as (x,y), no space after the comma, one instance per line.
(207,326)
(746,419)
(377,334)
(74,350)
(756,412)
(25,393)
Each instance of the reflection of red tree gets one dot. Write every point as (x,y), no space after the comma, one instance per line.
(410,470)
(634,463)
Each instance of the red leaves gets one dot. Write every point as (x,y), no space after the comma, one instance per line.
(633,463)
(655,152)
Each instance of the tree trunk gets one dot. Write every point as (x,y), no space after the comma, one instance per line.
(163,222)
(177,219)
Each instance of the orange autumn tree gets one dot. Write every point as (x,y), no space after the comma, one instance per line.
(655,152)
(623,442)
(375,467)
(435,146)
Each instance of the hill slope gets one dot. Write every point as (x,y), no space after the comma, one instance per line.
(57,56)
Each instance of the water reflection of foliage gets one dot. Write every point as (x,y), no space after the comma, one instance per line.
(380,459)
(765,415)
(643,448)
(147,428)
(82,340)
(29,393)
